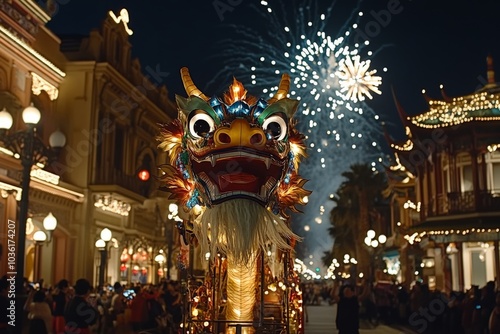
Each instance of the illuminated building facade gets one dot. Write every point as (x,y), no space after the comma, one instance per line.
(90,89)
(32,71)
(113,111)
(453,213)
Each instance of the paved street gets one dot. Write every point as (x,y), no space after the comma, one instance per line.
(322,321)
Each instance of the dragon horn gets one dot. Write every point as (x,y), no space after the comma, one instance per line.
(189,85)
(282,89)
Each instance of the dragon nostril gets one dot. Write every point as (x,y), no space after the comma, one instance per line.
(256,139)
(224,138)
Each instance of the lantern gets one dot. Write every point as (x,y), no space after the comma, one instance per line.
(124,257)
(135,270)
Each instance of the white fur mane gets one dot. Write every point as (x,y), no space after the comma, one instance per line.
(241,227)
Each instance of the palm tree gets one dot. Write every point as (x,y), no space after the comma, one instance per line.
(341,218)
(350,218)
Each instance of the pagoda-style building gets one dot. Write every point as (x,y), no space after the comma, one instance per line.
(452,155)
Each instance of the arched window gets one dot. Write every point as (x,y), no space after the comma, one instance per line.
(493,172)
(464,170)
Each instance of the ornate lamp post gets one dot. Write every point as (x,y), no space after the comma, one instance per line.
(102,246)
(49,225)
(160,258)
(41,237)
(372,241)
(29,148)
(172,216)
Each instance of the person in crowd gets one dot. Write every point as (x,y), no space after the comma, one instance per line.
(39,313)
(486,306)
(403,303)
(117,308)
(494,321)
(79,314)
(59,298)
(347,320)
(173,302)
(469,305)
(139,310)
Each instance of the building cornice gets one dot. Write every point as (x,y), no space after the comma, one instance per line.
(32,8)
(122,83)
(22,51)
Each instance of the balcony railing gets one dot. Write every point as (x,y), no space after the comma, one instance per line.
(129,182)
(462,202)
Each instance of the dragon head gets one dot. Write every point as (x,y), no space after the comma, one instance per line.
(234,146)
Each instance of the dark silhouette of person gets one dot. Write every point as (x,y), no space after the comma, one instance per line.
(347,311)
(79,314)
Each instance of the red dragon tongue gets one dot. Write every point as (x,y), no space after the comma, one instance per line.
(238,181)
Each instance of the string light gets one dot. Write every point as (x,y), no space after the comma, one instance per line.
(482,106)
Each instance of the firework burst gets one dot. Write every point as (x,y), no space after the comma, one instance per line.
(331,79)
(356,80)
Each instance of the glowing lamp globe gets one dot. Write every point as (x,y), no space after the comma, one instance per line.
(370,234)
(5,119)
(57,139)
(50,222)
(39,236)
(106,234)
(160,258)
(100,243)
(382,239)
(368,241)
(31,115)
(172,207)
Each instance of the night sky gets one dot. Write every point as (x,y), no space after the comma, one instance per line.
(423,43)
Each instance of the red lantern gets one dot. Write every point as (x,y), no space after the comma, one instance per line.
(160,272)
(143,175)
(124,257)
(123,267)
(135,270)
(144,271)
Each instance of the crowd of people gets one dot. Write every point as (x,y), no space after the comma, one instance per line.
(80,308)
(475,311)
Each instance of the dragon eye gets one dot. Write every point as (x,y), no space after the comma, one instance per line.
(275,127)
(200,125)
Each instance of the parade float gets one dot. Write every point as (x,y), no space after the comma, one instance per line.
(233,167)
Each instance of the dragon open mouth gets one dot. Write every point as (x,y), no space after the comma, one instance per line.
(238,173)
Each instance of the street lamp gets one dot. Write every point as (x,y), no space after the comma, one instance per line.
(372,241)
(172,216)
(102,246)
(41,237)
(49,224)
(160,258)
(29,148)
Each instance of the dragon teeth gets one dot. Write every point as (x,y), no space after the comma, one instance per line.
(267,161)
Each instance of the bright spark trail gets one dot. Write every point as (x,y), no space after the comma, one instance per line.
(331,78)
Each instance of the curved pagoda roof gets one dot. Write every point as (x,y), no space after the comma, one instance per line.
(483,105)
